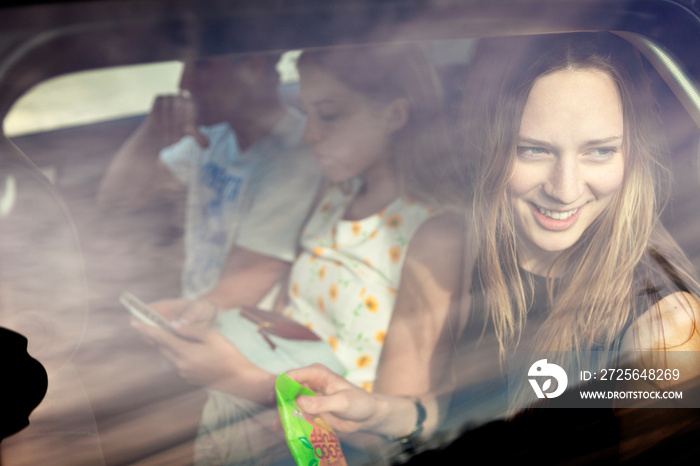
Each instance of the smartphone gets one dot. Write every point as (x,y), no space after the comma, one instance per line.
(143,312)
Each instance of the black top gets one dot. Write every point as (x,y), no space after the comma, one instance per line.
(557,435)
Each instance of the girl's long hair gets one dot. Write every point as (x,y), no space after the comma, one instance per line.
(420,149)
(614,271)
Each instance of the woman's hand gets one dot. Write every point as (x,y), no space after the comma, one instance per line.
(348,408)
(204,357)
(344,406)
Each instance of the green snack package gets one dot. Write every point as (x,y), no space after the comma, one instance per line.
(311,441)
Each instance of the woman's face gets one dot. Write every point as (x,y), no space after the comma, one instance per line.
(348,134)
(569,161)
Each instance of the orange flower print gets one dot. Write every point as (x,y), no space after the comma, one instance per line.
(380,336)
(309,325)
(362,291)
(395,254)
(391,290)
(321,305)
(368,262)
(356,228)
(364,361)
(394,221)
(367,386)
(333,341)
(333,292)
(316,251)
(374,234)
(326,207)
(322,273)
(295,289)
(372,304)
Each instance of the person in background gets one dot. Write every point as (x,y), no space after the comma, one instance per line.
(228,142)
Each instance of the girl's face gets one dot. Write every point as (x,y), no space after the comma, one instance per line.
(569,161)
(349,135)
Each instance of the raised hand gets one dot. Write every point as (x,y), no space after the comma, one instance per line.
(172,117)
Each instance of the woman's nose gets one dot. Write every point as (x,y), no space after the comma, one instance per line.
(312,132)
(565,184)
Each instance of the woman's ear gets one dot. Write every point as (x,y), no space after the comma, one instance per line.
(396,114)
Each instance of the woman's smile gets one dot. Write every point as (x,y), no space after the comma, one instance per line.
(555,220)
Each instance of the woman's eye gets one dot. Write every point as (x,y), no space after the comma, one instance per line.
(531,151)
(330,116)
(603,153)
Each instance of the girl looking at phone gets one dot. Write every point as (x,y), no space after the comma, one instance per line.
(379,274)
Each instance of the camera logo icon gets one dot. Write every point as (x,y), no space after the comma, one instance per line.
(552,371)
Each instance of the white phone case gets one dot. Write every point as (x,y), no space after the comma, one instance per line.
(140,310)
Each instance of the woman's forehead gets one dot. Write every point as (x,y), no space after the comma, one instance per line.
(581,103)
(317,83)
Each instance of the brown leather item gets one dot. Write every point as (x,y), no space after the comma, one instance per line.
(271,323)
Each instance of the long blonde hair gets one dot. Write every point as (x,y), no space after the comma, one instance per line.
(624,253)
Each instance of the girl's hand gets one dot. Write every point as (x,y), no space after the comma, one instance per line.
(203,357)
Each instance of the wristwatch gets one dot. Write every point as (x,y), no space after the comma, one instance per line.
(420,409)
(407,443)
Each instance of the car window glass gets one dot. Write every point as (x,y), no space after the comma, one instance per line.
(71,127)
(105,94)
(90,97)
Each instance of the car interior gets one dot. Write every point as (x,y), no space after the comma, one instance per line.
(108,387)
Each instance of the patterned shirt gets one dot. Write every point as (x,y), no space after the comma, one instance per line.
(344,283)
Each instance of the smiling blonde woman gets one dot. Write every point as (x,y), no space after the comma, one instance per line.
(571,168)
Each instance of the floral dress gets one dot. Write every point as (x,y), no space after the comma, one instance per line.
(344,284)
